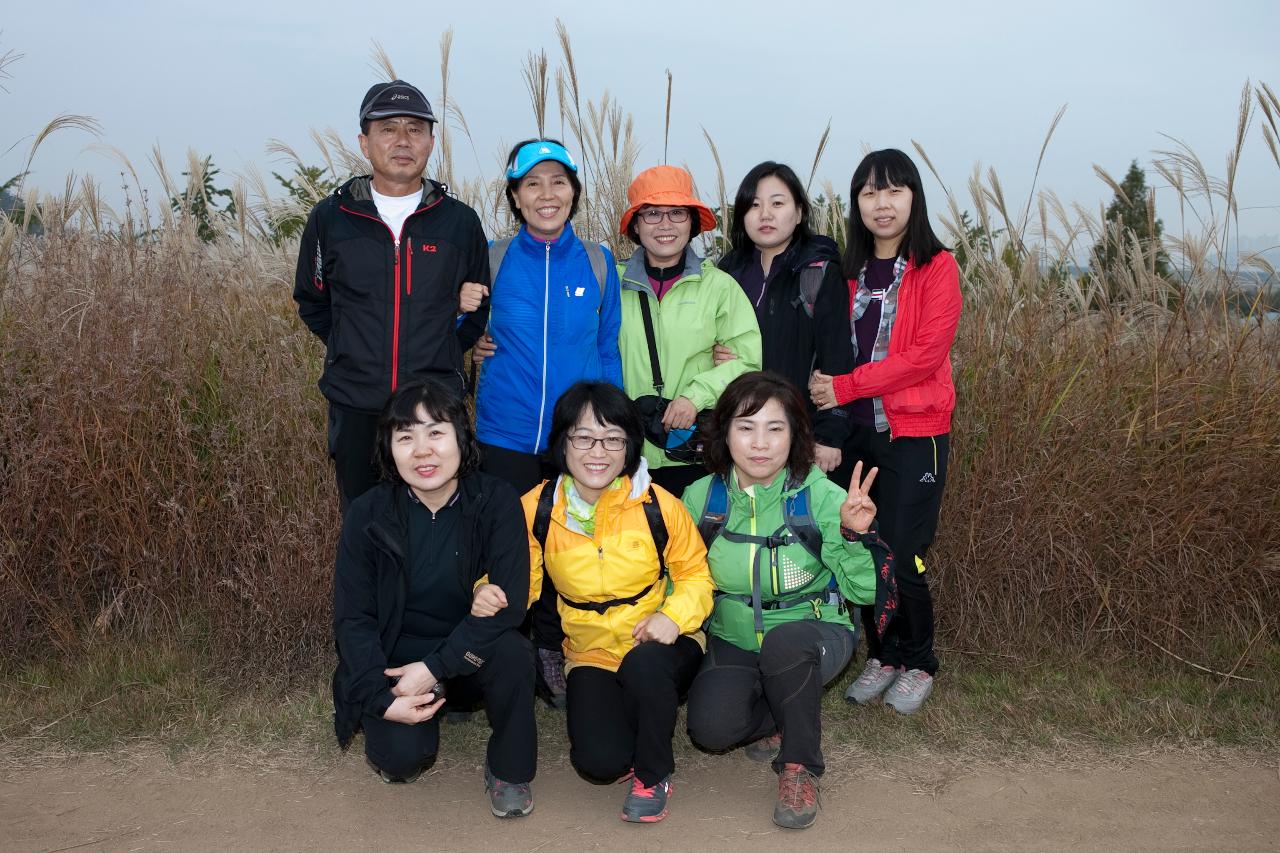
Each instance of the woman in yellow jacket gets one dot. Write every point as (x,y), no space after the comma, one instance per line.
(633,589)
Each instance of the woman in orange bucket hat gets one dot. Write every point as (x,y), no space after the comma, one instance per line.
(691,306)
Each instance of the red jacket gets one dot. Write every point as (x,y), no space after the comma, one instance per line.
(914,379)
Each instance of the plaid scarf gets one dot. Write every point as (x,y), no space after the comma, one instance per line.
(888,309)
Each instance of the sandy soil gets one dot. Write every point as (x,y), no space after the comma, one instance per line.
(1166,801)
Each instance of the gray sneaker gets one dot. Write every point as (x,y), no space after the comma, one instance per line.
(872,683)
(646,805)
(909,692)
(550,682)
(507,799)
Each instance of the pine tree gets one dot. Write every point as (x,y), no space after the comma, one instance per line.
(1131,212)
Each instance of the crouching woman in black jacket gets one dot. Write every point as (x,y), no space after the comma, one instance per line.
(412,549)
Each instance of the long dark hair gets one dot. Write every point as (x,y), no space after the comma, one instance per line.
(747,395)
(889,168)
(610,406)
(514,183)
(738,239)
(442,402)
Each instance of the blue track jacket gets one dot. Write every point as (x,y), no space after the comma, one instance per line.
(553,327)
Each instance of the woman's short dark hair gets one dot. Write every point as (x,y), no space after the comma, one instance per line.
(747,395)
(610,406)
(514,183)
(882,169)
(695,224)
(441,402)
(738,239)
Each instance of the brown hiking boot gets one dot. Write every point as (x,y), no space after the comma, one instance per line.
(797,806)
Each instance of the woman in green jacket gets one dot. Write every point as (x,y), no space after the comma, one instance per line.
(785,545)
(692,306)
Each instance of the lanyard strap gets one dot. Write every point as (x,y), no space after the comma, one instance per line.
(653,343)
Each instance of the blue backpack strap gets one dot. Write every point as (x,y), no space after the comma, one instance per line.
(799,520)
(657,529)
(542,515)
(715,512)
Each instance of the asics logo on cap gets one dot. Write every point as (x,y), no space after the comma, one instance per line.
(399,97)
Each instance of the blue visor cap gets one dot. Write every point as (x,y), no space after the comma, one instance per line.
(534,153)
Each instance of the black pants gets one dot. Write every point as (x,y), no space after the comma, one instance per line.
(908,497)
(625,719)
(676,478)
(524,471)
(505,683)
(353,436)
(740,696)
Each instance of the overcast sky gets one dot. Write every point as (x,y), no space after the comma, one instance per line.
(973,83)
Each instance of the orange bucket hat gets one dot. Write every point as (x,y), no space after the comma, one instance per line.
(670,186)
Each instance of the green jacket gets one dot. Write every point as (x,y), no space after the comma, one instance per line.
(758,511)
(704,307)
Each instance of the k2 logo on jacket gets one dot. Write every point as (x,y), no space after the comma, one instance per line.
(428,247)
(928,477)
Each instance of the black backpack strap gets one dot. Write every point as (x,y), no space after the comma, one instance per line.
(657,529)
(653,342)
(810,282)
(542,515)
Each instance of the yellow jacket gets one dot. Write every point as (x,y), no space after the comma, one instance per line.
(619,561)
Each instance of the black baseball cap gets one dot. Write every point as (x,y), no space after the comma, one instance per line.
(396,98)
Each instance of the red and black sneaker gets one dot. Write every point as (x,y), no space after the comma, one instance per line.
(797,806)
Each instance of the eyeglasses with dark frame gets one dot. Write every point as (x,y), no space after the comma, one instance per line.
(586,442)
(652,216)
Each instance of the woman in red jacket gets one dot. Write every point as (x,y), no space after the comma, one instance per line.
(904,291)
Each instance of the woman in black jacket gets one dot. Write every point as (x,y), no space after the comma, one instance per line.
(794,279)
(412,550)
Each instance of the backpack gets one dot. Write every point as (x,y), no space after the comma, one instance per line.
(810,283)
(798,527)
(595,254)
(657,529)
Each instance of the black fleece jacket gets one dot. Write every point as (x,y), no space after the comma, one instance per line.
(371,584)
(388,313)
(794,343)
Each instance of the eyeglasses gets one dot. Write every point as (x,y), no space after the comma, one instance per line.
(652,216)
(586,442)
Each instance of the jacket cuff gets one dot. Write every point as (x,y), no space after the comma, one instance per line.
(844,389)
(435,663)
(831,428)
(378,707)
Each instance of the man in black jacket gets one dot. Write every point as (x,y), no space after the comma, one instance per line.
(380,268)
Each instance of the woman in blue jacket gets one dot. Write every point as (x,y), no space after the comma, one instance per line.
(554,314)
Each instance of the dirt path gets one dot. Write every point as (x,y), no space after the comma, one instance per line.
(1172,801)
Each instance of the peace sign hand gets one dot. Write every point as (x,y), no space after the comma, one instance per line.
(858,511)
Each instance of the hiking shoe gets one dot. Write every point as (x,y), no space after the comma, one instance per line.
(388,778)
(797,806)
(874,681)
(551,684)
(507,799)
(909,692)
(764,750)
(646,805)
